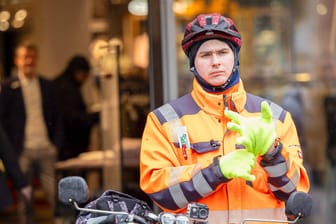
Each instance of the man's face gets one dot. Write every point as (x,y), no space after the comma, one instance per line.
(26,61)
(214,62)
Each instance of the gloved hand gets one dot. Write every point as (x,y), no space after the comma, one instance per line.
(257,133)
(238,163)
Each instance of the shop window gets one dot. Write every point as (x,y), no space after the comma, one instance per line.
(265,56)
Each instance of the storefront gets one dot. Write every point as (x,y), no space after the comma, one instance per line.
(286,45)
(276,35)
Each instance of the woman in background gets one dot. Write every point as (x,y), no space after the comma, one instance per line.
(77,121)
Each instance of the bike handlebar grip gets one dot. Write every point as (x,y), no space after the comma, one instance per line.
(299,204)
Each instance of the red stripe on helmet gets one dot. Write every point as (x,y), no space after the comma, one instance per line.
(201,19)
(215,18)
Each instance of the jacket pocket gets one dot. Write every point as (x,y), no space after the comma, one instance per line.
(197,151)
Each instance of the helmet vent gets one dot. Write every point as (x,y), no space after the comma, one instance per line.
(208,20)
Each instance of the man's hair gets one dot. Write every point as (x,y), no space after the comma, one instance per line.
(27,45)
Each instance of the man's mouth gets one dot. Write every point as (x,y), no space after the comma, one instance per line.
(216,73)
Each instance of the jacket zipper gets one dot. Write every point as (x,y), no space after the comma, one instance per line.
(226,103)
(226,107)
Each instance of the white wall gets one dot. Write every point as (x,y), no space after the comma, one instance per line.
(60,28)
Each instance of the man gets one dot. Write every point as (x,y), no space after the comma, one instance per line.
(30,116)
(233,151)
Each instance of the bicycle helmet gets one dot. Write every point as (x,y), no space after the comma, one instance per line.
(210,26)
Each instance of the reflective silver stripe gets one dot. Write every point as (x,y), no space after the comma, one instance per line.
(172,119)
(201,185)
(199,182)
(237,216)
(290,186)
(277,170)
(178,196)
(168,112)
(276,110)
(218,217)
(287,188)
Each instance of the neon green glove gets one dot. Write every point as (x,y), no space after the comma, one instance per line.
(257,133)
(238,163)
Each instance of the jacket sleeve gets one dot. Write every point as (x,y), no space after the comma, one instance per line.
(7,155)
(286,173)
(169,183)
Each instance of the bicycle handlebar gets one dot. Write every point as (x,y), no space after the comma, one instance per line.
(298,206)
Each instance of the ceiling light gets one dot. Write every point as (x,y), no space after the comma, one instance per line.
(321,9)
(138,7)
(302,77)
(17,23)
(4,15)
(21,14)
(4,25)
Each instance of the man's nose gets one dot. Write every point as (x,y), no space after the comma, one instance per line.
(215,60)
(29,60)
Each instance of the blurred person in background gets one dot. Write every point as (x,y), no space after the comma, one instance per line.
(304,99)
(329,79)
(33,123)
(77,120)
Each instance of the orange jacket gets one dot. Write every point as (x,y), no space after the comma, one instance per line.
(175,174)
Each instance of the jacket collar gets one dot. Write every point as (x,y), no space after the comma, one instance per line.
(214,103)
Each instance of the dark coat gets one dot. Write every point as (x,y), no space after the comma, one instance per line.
(13,115)
(12,169)
(77,121)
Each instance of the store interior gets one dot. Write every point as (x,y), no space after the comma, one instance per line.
(286,45)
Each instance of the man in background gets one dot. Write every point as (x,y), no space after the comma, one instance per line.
(30,116)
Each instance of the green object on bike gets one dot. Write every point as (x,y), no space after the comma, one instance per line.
(257,133)
(238,163)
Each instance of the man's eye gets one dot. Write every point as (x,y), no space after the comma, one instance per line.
(206,54)
(222,52)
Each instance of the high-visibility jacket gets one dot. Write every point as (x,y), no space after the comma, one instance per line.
(175,171)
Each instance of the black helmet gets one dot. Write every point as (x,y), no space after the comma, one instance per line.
(209,26)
